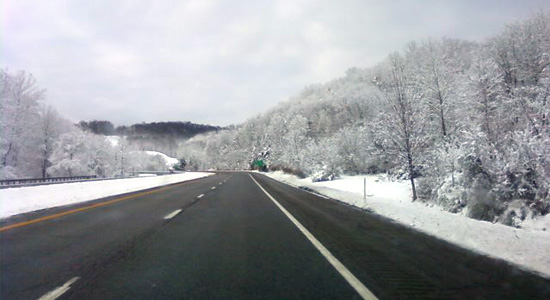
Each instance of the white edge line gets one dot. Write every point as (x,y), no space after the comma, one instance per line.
(172,214)
(52,295)
(200,196)
(318,194)
(359,287)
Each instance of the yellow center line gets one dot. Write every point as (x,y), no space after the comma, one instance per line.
(45,218)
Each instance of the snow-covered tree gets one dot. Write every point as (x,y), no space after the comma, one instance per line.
(405,116)
(437,73)
(19,108)
(69,156)
(52,125)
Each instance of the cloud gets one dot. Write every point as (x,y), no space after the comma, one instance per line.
(214,61)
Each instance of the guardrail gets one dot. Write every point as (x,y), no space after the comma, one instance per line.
(44,180)
(159,172)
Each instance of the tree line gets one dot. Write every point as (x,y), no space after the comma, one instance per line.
(179,129)
(37,142)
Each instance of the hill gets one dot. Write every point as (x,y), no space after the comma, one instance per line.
(156,136)
(466,123)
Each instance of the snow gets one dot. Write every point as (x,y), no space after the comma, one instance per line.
(528,247)
(113,140)
(19,200)
(170,161)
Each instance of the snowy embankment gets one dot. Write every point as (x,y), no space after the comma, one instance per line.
(170,161)
(19,200)
(528,247)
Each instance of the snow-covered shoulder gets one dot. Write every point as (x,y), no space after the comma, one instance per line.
(527,247)
(20,200)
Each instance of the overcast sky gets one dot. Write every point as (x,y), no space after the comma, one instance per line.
(213,61)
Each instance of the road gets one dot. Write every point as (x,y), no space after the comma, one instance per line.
(223,237)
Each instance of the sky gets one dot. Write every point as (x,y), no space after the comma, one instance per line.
(218,62)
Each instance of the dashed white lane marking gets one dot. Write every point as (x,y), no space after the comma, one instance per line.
(200,196)
(221,183)
(213,188)
(359,287)
(52,295)
(172,214)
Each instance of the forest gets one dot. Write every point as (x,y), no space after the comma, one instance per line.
(465,122)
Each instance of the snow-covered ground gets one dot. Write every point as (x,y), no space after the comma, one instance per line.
(528,247)
(19,200)
(170,161)
(114,140)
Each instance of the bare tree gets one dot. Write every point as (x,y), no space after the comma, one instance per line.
(404,118)
(52,125)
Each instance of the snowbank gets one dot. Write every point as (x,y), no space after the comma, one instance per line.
(528,247)
(15,201)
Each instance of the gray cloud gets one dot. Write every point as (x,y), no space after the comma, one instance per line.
(216,61)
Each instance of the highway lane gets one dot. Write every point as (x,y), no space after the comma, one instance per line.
(234,243)
(397,262)
(38,257)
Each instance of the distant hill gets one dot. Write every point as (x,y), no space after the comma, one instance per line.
(175,129)
(184,130)
(157,136)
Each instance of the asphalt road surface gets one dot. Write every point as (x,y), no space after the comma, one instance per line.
(223,237)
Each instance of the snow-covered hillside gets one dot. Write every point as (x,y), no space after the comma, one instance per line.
(527,247)
(471,127)
(114,141)
(170,161)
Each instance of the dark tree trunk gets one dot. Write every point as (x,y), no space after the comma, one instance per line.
(411,175)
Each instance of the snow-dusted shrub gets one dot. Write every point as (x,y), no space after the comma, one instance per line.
(425,187)
(516,212)
(452,198)
(326,174)
(526,172)
(8,172)
(481,201)
(474,173)
(288,170)
(482,205)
